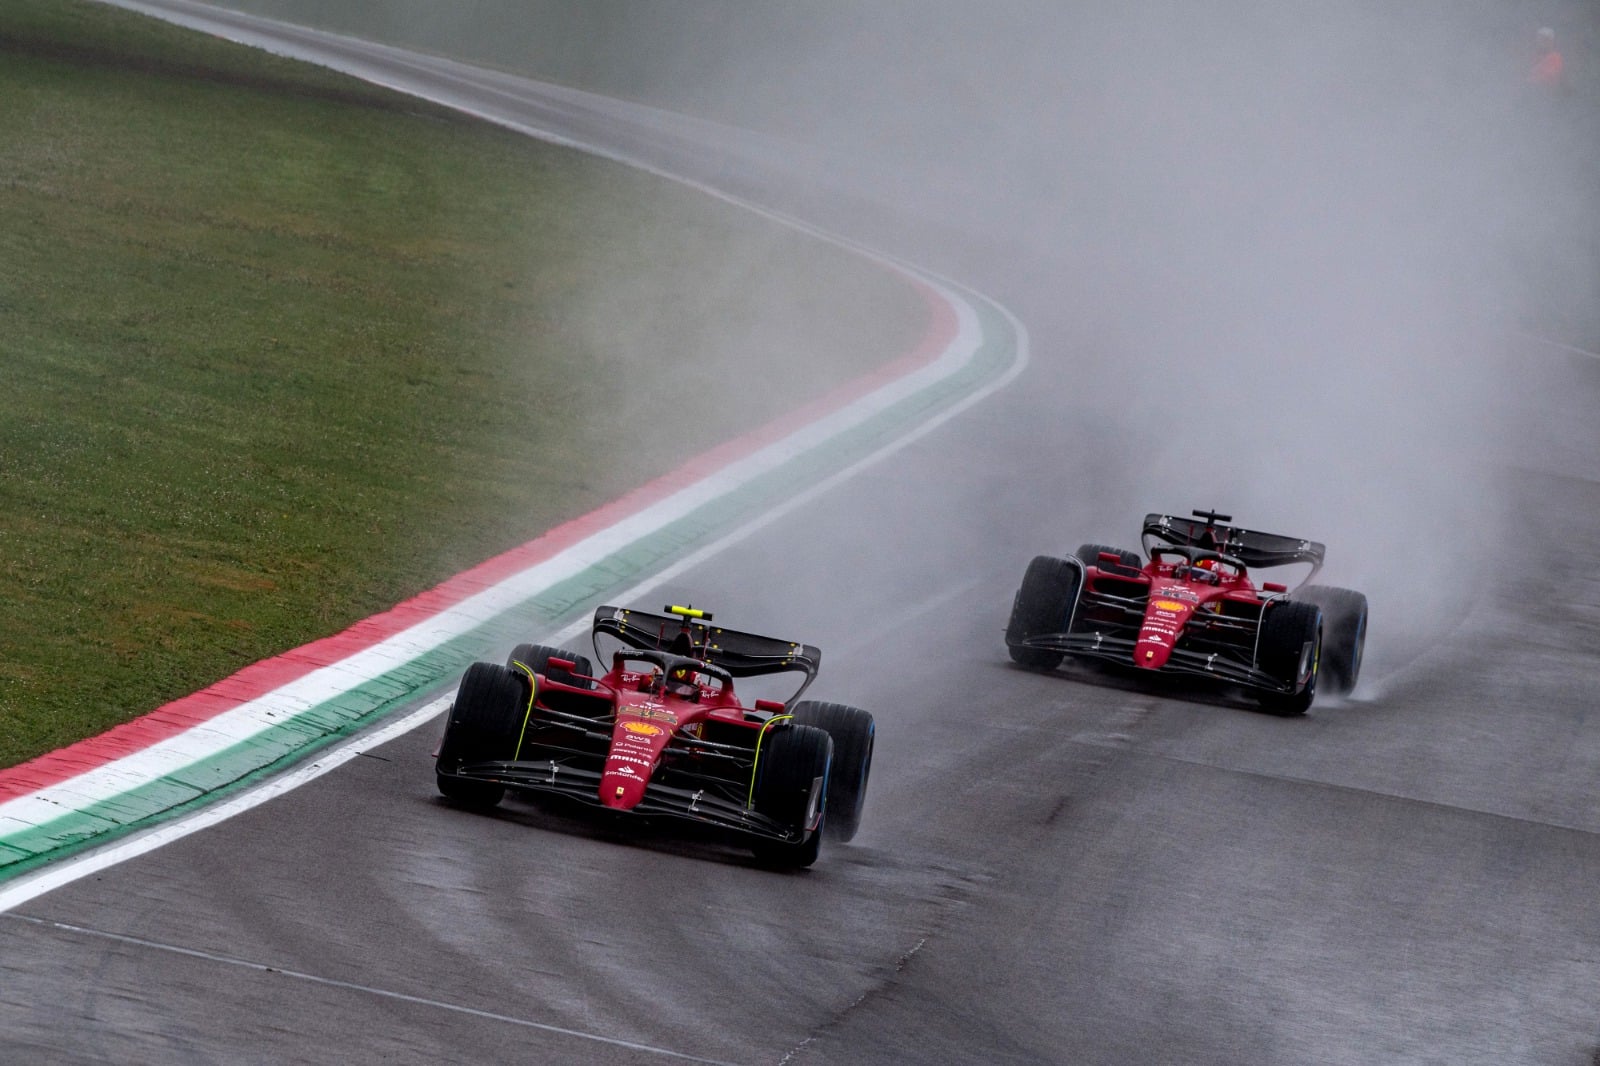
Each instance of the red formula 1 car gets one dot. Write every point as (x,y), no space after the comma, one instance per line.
(1192,609)
(663,733)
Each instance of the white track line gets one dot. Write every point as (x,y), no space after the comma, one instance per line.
(1573,349)
(351,986)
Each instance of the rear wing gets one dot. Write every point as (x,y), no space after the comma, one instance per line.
(1248,546)
(691,633)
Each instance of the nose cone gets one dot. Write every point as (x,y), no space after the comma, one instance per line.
(622,787)
(1150,652)
(1164,616)
(635,746)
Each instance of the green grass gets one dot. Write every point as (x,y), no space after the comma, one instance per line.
(281,350)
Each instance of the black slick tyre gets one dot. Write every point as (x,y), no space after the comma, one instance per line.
(1290,650)
(536,657)
(483,726)
(1344,634)
(791,788)
(1044,604)
(853,731)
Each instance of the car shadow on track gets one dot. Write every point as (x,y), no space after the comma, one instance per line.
(664,836)
(1178,688)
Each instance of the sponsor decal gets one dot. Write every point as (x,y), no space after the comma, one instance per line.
(1167,605)
(625,771)
(657,712)
(642,729)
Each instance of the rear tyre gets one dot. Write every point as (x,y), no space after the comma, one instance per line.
(1043,604)
(536,657)
(1090,554)
(792,789)
(1344,634)
(1290,650)
(483,726)
(852,730)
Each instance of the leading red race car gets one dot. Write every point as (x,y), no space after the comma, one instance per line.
(663,733)
(1193,609)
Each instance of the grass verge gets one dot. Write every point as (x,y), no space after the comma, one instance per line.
(282,349)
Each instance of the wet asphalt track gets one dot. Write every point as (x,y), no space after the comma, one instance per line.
(1052,868)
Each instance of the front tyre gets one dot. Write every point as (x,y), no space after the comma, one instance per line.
(484,724)
(853,731)
(1344,638)
(1043,605)
(791,788)
(1290,650)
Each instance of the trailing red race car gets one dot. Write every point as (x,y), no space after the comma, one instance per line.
(1193,609)
(663,733)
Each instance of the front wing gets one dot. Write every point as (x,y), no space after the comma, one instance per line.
(702,805)
(1118,650)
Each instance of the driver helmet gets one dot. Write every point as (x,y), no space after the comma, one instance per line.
(680,681)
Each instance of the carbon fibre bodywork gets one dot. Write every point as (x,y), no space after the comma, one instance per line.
(660,733)
(1190,608)
(1219,637)
(675,754)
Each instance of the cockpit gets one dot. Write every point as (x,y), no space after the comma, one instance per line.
(1205,566)
(665,674)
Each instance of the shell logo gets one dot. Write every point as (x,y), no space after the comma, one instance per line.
(642,729)
(1167,605)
